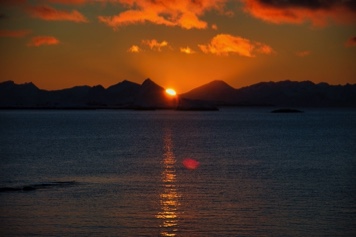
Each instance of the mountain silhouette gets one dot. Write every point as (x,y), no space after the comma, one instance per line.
(149,95)
(283,93)
(217,91)
(12,94)
(152,96)
(123,95)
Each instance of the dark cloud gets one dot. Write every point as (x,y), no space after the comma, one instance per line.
(12,2)
(351,42)
(51,14)
(310,4)
(14,33)
(318,12)
(351,4)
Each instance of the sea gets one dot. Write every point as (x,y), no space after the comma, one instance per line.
(122,173)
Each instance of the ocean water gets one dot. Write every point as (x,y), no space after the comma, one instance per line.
(120,173)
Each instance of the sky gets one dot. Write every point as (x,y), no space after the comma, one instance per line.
(180,44)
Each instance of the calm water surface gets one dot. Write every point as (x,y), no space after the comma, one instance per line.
(120,173)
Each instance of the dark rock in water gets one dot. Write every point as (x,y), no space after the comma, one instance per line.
(29,188)
(286,111)
(143,108)
(9,189)
(33,187)
(64,183)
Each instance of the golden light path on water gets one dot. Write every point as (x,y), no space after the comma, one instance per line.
(169,197)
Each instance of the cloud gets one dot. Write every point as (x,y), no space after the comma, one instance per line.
(69,2)
(225,44)
(65,2)
(318,12)
(134,49)
(303,53)
(214,27)
(50,14)
(154,44)
(263,48)
(351,42)
(43,40)
(12,2)
(187,50)
(14,33)
(183,13)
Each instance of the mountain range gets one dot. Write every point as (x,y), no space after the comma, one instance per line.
(149,95)
(284,93)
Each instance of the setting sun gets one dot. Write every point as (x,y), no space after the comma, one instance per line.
(171,92)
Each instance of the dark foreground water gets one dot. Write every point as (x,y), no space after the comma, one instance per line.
(120,173)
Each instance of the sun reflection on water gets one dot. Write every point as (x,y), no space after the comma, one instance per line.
(169,196)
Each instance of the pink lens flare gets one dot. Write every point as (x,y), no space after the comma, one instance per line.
(190,164)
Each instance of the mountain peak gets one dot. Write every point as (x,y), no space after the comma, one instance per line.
(11,84)
(220,84)
(151,95)
(148,81)
(212,90)
(124,85)
(148,84)
(7,83)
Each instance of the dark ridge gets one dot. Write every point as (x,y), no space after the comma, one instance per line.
(281,94)
(33,187)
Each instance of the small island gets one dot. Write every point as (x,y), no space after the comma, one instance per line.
(286,111)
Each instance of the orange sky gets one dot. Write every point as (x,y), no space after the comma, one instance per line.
(177,43)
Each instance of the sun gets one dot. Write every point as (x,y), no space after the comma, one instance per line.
(171,92)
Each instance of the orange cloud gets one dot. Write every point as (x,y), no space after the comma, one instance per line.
(154,44)
(263,48)
(43,40)
(214,27)
(318,12)
(14,33)
(187,50)
(183,13)
(134,49)
(225,44)
(351,42)
(303,53)
(51,14)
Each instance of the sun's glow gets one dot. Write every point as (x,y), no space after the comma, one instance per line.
(171,92)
